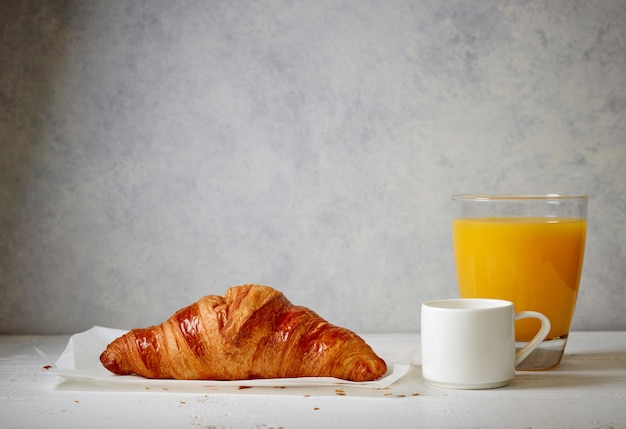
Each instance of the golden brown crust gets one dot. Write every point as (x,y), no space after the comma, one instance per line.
(251,332)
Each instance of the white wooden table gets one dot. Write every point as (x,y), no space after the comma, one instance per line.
(587,390)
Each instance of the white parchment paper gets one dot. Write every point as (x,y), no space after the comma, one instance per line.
(80,362)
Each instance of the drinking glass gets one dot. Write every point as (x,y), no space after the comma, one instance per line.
(527,249)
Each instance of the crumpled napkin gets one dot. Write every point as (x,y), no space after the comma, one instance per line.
(80,362)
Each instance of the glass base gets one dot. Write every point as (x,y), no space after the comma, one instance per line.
(547,355)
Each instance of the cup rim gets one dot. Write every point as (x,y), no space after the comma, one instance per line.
(467,304)
(518,197)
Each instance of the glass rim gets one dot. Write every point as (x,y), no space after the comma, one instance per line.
(518,197)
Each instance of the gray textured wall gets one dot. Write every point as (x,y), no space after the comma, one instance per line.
(156,151)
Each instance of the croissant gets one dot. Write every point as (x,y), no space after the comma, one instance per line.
(251,332)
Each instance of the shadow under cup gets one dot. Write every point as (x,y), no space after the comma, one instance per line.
(527,249)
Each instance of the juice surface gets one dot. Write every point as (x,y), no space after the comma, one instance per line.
(533,262)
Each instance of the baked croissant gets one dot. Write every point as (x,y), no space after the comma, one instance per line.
(251,332)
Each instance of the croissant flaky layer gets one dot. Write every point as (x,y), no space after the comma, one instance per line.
(251,332)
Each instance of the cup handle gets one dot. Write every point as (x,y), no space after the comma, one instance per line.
(541,335)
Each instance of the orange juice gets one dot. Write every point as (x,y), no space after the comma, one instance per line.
(534,262)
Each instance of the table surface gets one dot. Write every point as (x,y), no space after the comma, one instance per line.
(587,390)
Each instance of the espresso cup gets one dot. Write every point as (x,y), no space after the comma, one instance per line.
(469,343)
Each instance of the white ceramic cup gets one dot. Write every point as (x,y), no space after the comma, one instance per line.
(469,343)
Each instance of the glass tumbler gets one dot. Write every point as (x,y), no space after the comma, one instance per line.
(527,249)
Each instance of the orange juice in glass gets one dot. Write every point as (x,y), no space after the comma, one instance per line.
(527,249)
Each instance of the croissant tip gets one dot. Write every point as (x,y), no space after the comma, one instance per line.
(366,371)
(110,362)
